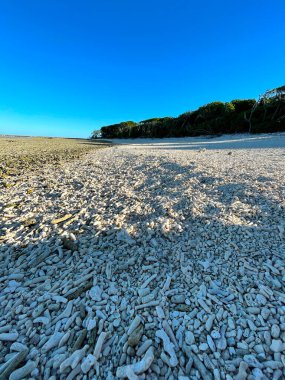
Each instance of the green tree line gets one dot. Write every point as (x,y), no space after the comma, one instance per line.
(237,116)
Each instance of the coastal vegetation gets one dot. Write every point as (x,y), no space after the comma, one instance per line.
(267,114)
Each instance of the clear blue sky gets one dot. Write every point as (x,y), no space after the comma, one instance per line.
(68,67)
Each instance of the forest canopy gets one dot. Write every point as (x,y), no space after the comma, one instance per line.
(238,116)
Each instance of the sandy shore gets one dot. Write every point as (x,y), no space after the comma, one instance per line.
(237,141)
(147,261)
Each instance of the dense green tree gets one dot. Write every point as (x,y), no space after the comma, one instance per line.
(243,105)
(268,115)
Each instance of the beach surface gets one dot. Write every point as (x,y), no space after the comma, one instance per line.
(149,259)
(237,141)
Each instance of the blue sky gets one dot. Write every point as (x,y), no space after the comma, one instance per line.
(68,67)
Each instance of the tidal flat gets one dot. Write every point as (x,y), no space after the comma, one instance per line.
(23,154)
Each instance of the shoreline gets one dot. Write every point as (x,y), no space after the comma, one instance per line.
(173,258)
(20,154)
